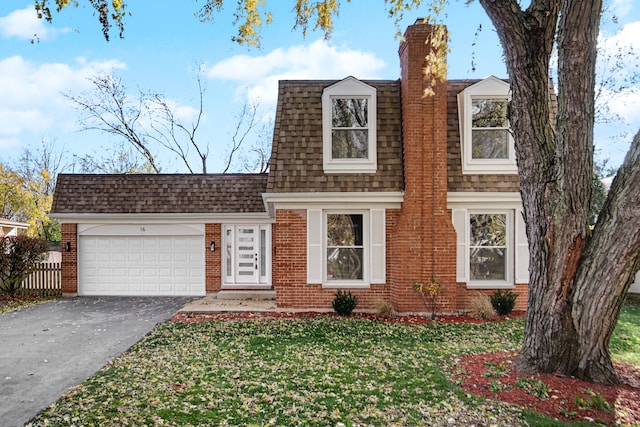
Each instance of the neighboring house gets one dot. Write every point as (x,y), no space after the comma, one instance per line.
(372,188)
(10,228)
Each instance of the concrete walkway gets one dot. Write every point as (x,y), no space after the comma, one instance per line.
(49,348)
(233,302)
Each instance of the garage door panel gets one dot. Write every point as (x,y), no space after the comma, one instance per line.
(149,265)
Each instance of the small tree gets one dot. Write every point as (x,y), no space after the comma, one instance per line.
(429,292)
(20,256)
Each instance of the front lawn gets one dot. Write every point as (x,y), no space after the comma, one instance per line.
(288,371)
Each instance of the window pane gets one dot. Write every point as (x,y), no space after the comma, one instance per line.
(350,144)
(263,252)
(350,112)
(490,144)
(488,229)
(344,230)
(488,264)
(344,263)
(489,113)
(229,252)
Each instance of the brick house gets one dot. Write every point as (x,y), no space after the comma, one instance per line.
(372,188)
(11,228)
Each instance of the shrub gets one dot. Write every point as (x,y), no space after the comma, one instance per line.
(503,302)
(481,308)
(20,256)
(534,386)
(384,309)
(344,303)
(429,294)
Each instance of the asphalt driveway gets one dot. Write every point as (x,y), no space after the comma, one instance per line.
(49,348)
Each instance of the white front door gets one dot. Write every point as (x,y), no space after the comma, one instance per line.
(246,244)
(247,256)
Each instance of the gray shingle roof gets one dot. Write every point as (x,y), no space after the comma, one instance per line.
(159,193)
(296,157)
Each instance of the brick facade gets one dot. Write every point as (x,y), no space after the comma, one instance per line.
(70,259)
(212,260)
(290,266)
(424,240)
(466,296)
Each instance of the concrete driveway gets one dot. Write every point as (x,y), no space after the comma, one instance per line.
(47,349)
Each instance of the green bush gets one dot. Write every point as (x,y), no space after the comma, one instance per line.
(344,303)
(503,302)
(20,257)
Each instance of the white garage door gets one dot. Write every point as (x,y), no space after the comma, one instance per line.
(141,265)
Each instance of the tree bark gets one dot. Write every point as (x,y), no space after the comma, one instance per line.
(575,295)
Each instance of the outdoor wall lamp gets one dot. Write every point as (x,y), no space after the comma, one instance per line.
(68,246)
(213,246)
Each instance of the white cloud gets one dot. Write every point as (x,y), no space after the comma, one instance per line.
(621,8)
(627,105)
(24,24)
(618,72)
(627,38)
(31,100)
(8,143)
(258,75)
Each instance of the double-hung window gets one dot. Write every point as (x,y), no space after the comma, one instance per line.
(349,127)
(490,247)
(489,129)
(346,248)
(485,135)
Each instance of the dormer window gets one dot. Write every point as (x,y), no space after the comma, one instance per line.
(349,127)
(485,135)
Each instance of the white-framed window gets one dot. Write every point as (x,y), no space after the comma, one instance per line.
(485,136)
(349,127)
(246,256)
(346,248)
(346,243)
(492,248)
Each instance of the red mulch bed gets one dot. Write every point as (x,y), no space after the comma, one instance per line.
(470,371)
(624,399)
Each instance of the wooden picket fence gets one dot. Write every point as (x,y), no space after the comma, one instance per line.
(45,281)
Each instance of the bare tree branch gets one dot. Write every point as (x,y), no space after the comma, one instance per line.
(111,111)
(246,120)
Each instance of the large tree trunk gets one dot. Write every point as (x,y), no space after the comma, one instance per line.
(574,299)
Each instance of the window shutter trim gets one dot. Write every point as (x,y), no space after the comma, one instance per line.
(459,219)
(314,246)
(522,249)
(378,247)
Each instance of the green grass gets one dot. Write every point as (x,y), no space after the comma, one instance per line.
(323,371)
(625,342)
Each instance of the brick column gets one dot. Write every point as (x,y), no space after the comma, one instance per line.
(213,260)
(69,260)
(425,239)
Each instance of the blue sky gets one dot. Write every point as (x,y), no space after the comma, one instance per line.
(163,45)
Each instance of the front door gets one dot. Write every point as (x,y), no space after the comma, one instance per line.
(247,256)
(246,244)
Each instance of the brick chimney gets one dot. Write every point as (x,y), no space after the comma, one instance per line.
(425,240)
